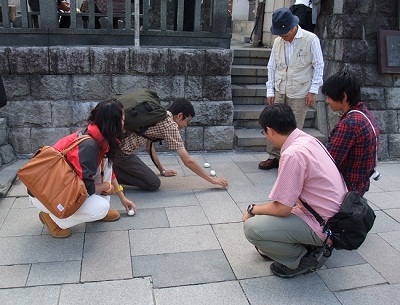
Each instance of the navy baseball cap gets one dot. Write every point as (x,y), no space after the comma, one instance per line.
(283,21)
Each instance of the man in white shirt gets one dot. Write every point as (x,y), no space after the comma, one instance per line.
(295,71)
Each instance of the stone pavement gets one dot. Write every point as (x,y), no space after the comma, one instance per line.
(186,246)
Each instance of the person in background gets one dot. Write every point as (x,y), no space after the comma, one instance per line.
(295,70)
(63,6)
(283,230)
(92,160)
(354,141)
(307,11)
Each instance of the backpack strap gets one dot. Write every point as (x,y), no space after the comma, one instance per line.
(74,143)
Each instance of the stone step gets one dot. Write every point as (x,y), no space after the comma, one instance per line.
(251,56)
(245,90)
(249,70)
(248,74)
(252,139)
(246,116)
(252,112)
(308,123)
(248,100)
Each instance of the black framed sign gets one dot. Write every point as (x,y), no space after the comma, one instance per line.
(389,51)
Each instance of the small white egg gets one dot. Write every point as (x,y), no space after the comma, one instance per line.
(212,173)
(207,164)
(131,212)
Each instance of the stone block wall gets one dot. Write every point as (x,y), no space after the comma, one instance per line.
(348,31)
(51,90)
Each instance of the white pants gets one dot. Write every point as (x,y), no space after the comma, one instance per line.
(94,208)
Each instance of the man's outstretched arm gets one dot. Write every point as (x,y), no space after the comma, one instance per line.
(198,170)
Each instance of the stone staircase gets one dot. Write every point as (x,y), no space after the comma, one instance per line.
(249,74)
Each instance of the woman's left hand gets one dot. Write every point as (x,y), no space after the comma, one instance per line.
(128,204)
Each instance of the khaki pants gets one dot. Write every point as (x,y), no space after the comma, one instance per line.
(299,108)
(281,238)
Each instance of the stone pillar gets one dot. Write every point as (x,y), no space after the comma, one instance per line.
(348,32)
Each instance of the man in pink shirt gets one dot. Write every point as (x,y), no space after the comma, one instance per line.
(283,229)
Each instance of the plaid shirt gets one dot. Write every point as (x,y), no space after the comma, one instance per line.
(352,145)
(166,130)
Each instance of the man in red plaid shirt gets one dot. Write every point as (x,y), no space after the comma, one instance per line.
(354,141)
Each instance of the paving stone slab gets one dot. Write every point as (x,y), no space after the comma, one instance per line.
(54,273)
(13,276)
(219,207)
(180,182)
(220,157)
(384,223)
(106,256)
(350,277)
(382,257)
(133,291)
(249,194)
(144,219)
(37,249)
(18,189)
(394,213)
(232,173)
(375,295)
(386,200)
(240,157)
(185,268)
(239,250)
(171,240)
(393,238)
(186,216)
(162,199)
(8,174)
(303,289)
(263,179)
(252,167)
(42,295)
(224,293)
(6,204)
(342,258)
(12,226)
(22,203)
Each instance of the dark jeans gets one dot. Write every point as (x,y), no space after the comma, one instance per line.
(130,170)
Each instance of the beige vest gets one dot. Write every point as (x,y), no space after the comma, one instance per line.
(294,80)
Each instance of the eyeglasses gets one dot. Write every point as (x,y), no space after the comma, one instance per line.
(185,117)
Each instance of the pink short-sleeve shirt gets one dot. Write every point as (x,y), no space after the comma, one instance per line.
(306,171)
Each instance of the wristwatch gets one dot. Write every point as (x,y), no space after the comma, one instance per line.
(250,209)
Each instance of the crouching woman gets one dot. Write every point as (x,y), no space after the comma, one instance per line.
(92,160)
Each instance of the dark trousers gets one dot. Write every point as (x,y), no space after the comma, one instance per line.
(130,170)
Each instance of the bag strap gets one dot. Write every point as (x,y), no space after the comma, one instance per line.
(74,143)
(373,129)
(315,214)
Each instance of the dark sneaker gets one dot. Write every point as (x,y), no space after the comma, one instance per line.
(307,265)
(268,164)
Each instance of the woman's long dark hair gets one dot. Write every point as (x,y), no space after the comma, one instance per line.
(108,116)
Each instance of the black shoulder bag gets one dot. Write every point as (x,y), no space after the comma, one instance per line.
(349,227)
